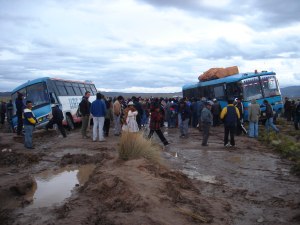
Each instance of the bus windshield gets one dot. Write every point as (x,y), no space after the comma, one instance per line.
(251,89)
(270,86)
(37,93)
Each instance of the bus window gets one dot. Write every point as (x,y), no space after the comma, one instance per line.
(88,88)
(251,88)
(61,88)
(93,88)
(77,89)
(69,89)
(233,90)
(82,88)
(208,92)
(269,85)
(219,92)
(38,94)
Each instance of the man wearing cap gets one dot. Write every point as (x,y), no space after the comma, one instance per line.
(216,110)
(29,121)
(206,120)
(230,115)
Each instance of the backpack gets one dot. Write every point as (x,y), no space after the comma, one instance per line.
(78,112)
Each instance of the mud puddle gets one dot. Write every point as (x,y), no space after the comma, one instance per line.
(53,187)
(256,183)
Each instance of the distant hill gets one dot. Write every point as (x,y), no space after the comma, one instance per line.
(291,91)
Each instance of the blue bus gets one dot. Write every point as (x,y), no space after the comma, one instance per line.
(44,91)
(246,86)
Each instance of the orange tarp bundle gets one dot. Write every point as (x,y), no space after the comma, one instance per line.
(215,73)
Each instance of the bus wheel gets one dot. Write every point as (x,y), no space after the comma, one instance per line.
(70,122)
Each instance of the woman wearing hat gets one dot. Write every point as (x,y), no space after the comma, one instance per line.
(129,123)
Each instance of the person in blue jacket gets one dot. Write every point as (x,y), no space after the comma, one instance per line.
(29,121)
(98,111)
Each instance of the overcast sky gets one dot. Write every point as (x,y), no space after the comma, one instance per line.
(146,45)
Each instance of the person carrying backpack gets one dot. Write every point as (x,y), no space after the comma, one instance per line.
(230,115)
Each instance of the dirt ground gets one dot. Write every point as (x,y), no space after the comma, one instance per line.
(247,185)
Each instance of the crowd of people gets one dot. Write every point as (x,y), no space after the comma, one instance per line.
(134,114)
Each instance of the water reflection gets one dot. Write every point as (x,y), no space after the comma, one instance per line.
(52,187)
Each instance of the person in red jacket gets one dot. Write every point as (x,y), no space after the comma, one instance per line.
(155,122)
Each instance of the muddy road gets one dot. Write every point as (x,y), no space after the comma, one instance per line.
(77,181)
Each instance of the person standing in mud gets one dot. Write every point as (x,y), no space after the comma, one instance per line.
(108,117)
(207,121)
(117,112)
(85,110)
(184,113)
(129,121)
(57,118)
(297,115)
(19,107)
(253,117)
(155,121)
(3,111)
(98,111)
(216,110)
(230,115)
(29,124)
(9,113)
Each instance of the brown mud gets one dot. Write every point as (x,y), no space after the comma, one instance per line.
(77,181)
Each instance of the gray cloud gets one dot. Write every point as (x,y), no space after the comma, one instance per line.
(259,14)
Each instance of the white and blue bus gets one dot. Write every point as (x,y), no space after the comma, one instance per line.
(44,91)
(246,86)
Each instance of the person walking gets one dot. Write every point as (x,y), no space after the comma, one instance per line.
(85,110)
(253,118)
(269,114)
(207,121)
(130,114)
(29,124)
(57,118)
(117,111)
(19,112)
(98,111)
(183,119)
(230,114)
(216,110)
(155,122)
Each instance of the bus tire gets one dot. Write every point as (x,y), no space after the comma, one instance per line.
(70,122)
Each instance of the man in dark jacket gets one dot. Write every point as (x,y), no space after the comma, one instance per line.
(229,115)
(85,110)
(270,115)
(206,120)
(57,118)
(20,107)
(297,115)
(216,110)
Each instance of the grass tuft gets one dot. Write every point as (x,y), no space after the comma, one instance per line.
(134,146)
(285,145)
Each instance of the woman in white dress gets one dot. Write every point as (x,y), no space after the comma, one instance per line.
(130,124)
